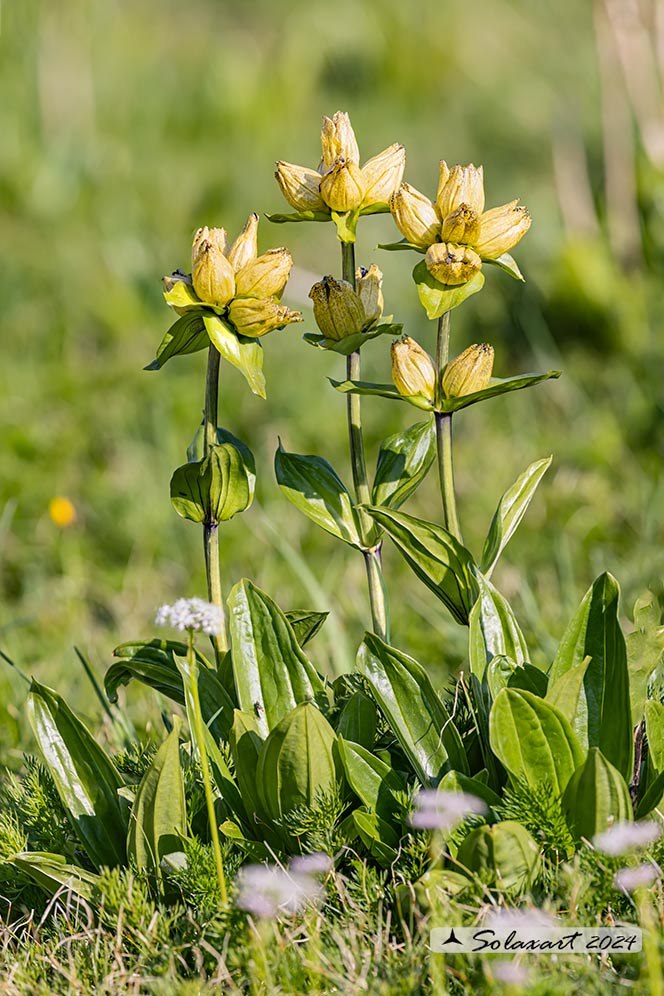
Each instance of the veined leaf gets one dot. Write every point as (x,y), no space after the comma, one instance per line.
(86,779)
(417,716)
(496,387)
(375,783)
(306,623)
(272,674)
(377,835)
(533,740)
(187,335)
(158,819)
(596,797)
(603,712)
(494,630)
(645,653)
(358,720)
(437,298)
(404,460)
(244,353)
(508,264)
(380,391)
(436,557)
(52,873)
(351,343)
(511,509)
(313,486)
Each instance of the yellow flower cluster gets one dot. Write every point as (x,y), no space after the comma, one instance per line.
(455,230)
(414,372)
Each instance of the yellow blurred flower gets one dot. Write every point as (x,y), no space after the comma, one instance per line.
(340,184)
(456,231)
(62,512)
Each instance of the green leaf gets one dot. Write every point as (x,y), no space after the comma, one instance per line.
(508,264)
(596,797)
(375,783)
(52,873)
(603,716)
(306,623)
(313,486)
(564,694)
(497,386)
(416,715)
(358,720)
(272,675)
(280,219)
(437,298)
(297,763)
(246,744)
(652,797)
(187,335)
(152,663)
(511,509)
(455,781)
(404,460)
(351,343)
(654,717)
(501,672)
(645,652)
(377,836)
(86,779)
(244,353)
(494,630)
(532,739)
(380,391)
(503,856)
(158,820)
(436,557)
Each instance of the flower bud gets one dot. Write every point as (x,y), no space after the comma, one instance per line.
(451,264)
(245,247)
(501,228)
(338,141)
(469,372)
(413,371)
(460,185)
(415,216)
(383,175)
(254,317)
(300,186)
(265,276)
(369,287)
(211,273)
(342,188)
(462,225)
(337,308)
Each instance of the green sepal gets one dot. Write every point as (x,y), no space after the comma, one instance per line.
(242,352)
(313,486)
(596,797)
(533,740)
(497,386)
(216,488)
(281,219)
(413,709)
(508,264)
(380,391)
(187,335)
(438,559)
(158,819)
(85,777)
(351,343)
(437,298)
(404,460)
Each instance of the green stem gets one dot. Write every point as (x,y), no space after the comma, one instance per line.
(210,529)
(444,434)
(372,558)
(205,770)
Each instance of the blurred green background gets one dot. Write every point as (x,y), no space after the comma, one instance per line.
(126,125)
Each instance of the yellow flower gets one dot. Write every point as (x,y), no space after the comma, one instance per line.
(456,231)
(469,372)
(341,311)
(235,281)
(340,184)
(62,512)
(413,370)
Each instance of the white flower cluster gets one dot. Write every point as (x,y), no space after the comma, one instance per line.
(266,890)
(625,836)
(442,810)
(191,614)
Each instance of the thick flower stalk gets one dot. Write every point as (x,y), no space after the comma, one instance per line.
(234,282)
(455,232)
(340,186)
